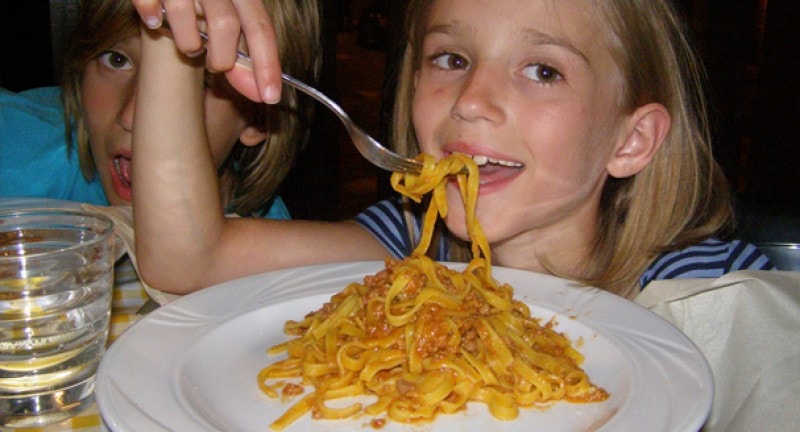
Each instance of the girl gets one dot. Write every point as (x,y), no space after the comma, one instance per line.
(586,118)
(252,147)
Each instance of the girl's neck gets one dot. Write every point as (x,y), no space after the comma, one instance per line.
(565,254)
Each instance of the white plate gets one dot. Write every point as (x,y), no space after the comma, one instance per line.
(192,365)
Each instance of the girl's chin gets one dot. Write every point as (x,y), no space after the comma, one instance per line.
(457,225)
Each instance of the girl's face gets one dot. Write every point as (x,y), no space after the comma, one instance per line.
(108,93)
(529,89)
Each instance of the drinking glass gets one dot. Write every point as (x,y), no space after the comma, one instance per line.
(56,277)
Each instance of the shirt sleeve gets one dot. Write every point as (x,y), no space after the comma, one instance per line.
(710,258)
(385,221)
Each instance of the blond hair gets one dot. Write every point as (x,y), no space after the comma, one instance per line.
(682,196)
(255,172)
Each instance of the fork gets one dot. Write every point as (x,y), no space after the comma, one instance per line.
(368,146)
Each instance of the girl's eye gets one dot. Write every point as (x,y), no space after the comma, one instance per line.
(542,73)
(115,60)
(450,61)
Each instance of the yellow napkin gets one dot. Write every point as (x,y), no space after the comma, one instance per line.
(747,324)
(123,229)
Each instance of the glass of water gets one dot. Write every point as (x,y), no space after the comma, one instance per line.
(56,277)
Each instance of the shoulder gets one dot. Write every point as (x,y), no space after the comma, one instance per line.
(32,102)
(710,258)
(33,119)
(35,160)
(398,228)
(386,221)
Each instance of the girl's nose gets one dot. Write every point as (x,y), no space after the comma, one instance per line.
(125,116)
(479,97)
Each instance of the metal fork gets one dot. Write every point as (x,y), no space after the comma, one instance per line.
(368,146)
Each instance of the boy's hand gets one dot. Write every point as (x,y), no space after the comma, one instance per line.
(224,21)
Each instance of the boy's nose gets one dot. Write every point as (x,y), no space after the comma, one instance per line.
(125,116)
(479,97)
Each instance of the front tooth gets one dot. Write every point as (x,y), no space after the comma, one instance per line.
(480,160)
(503,162)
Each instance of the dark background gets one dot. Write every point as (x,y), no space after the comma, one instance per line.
(751,50)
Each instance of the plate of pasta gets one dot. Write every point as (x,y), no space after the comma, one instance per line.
(409,344)
(195,364)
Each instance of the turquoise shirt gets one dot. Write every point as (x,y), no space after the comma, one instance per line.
(35,160)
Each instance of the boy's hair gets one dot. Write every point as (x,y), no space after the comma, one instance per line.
(257,171)
(682,196)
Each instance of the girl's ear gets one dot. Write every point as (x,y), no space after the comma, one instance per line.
(643,133)
(252,135)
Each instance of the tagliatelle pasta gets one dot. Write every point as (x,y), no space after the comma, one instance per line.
(423,339)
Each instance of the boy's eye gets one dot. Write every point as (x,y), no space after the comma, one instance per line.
(542,73)
(450,61)
(115,60)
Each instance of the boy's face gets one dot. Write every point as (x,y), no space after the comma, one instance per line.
(531,86)
(108,96)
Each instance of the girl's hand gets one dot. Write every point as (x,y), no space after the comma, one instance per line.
(224,21)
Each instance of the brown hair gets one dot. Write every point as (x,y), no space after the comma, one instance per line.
(255,172)
(682,196)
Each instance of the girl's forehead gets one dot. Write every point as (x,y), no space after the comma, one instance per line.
(577,25)
(574,18)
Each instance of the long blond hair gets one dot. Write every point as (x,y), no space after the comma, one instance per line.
(682,196)
(255,172)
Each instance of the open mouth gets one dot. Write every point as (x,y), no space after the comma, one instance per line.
(493,170)
(122,177)
(483,161)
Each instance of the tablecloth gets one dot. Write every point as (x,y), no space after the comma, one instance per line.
(747,324)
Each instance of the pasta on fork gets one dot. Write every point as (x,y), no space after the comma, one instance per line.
(424,339)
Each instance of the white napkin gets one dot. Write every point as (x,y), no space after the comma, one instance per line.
(123,229)
(747,324)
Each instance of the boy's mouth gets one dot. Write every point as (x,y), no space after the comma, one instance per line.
(121,177)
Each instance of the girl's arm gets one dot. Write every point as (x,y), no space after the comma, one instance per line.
(183,242)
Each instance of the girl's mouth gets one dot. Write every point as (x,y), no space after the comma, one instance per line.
(121,177)
(495,170)
(483,161)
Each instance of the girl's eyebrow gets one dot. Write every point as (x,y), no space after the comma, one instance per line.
(535,37)
(531,36)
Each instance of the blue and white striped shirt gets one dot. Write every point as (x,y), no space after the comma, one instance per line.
(710,258)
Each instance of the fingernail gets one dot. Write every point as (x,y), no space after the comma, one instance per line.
(153,22)
(195,54)
(272,95)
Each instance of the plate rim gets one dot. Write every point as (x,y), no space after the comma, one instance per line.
(352,271)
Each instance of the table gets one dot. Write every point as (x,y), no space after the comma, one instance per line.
(128,297)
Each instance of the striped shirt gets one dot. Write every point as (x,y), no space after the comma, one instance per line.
(710,258)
